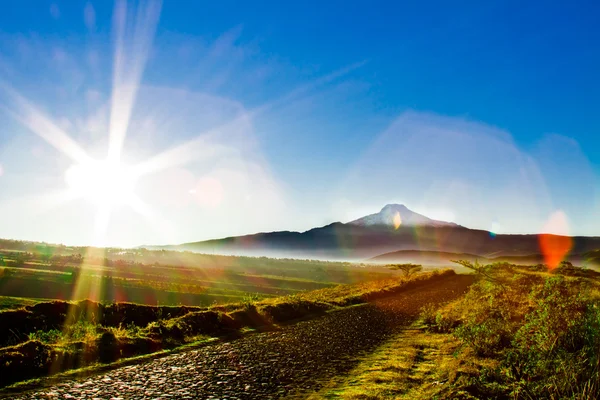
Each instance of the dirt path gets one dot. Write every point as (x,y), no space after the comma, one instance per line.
(412,365)
(291,361)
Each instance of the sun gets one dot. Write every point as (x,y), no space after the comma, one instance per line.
(103,183)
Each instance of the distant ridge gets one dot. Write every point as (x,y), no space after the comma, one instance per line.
(394,228)
(436,258)
(425,257)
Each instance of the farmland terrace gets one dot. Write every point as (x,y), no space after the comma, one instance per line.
(291,359)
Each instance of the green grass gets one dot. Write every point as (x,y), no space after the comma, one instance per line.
(519,333)
(541,328)
(219,280)
(8,302)
(77,334)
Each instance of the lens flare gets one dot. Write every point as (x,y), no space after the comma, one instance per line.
(555,243)
(397,220)
(208,192)
(554,248)
(109,184)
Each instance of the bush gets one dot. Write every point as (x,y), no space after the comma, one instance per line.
(544,331)
(177,330)
(108,347)
(427,316)
(491,319)
(248,316)
(556,352)
(290,310)
(51,336)
(26,360)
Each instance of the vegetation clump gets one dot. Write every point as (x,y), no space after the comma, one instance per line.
(542,329)
(408,269)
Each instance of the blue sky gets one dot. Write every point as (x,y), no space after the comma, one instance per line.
(483,113)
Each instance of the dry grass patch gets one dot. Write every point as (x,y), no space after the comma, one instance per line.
(542,329)
(415,364)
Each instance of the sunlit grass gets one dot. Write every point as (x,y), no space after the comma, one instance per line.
(525,333)
(85,332)
(8,302)
(411,365)
(542,329)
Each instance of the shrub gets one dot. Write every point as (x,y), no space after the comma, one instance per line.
(545,331)
(556,352)
(248,316)
(108,347)
(289,310)
(427,316)
(26,360)
(491,319)
(166,331)
(177,330)
(82,330)
(408,269)
(51,336)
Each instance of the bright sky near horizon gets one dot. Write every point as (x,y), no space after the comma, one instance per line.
(226,118)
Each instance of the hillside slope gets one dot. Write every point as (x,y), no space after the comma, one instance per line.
(394,228)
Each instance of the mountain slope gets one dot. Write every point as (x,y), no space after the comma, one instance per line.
(397,215)
(374,235)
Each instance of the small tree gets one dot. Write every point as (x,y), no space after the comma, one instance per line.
(408,269)
(485,271)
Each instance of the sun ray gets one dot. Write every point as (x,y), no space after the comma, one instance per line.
(296,93)
(128,70)
(190,150)
(42,203)
(108,183)
(201,147)
(139,206)
(32,118)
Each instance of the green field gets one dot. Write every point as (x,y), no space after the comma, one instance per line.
(55,336)
(7,302)
(40,271)
(64,305)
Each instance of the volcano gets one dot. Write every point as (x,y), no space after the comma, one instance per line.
(394,228)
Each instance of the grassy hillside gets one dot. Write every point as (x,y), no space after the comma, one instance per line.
(55,336)
(158,277)
(519,333)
